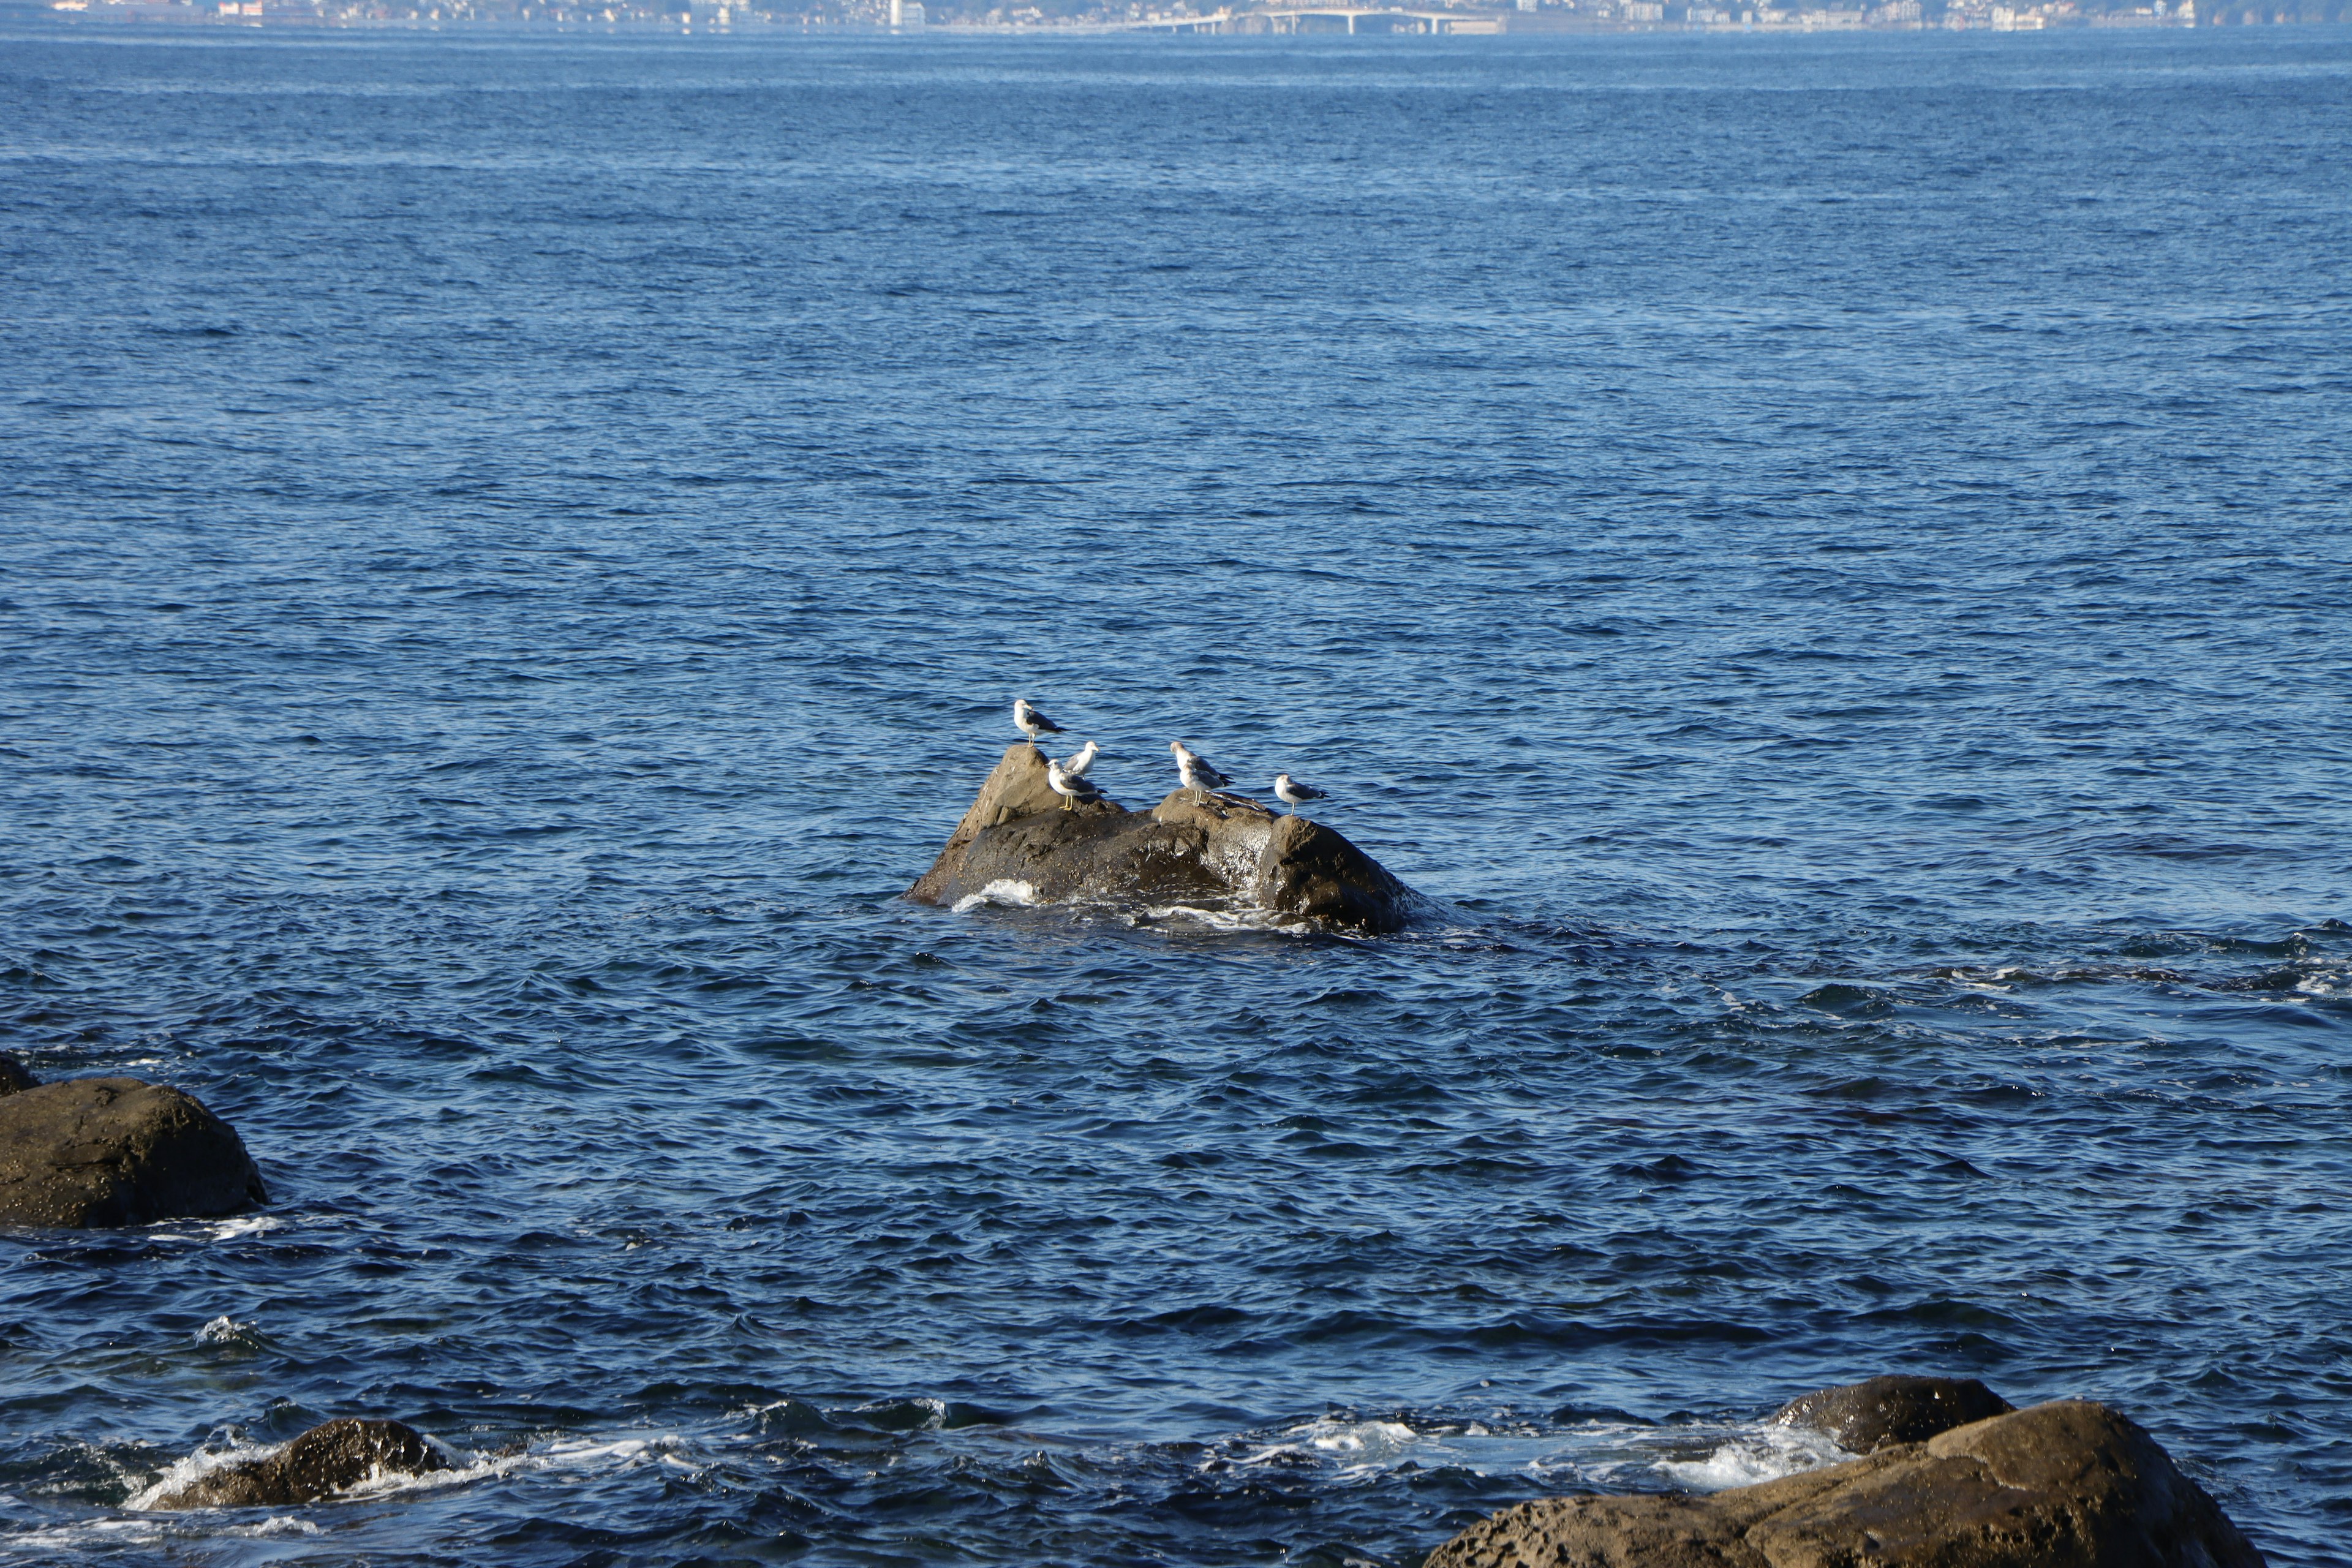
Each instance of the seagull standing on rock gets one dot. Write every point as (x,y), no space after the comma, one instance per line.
(1076,764)
(1195,771)
(1294,794)
(1073,790)
(1033,723)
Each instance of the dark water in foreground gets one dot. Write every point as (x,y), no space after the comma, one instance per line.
(1828,556)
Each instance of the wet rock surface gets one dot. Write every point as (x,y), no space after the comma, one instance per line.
(1867,1415)
(1226,849)
(14,1075)
(2069,1484)
(97,1152)
(322,1461)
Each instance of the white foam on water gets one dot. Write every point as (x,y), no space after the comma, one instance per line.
(225,1329)
(1240,918)
(1373,1438)
(1359,1448)
(37,1545)
(198,1465)
(1003,891)
(562,1456)
(234,1228)
(1610,1456)
(935,1411)
(283,1524)
(243,1225)
(1761,1452)
(465,1468)
(588,1453)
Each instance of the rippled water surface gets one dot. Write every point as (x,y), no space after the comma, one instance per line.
(1826,557)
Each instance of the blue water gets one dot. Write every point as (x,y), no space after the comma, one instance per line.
(1826,557)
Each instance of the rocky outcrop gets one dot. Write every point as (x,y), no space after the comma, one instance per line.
(2065,1485)
(1864,1416)
(1228,852)
(320,1462)
(94,1152)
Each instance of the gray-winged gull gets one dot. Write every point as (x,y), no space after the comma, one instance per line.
(1195,771)
(1294,794)
(1033,723)
(1073,789)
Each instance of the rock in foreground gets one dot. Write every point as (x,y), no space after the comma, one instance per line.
(2064,1485)
(1017,838)
(1864,1416)
(95,1152)
(322,1461)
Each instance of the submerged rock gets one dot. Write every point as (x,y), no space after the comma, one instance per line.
(14,1075)
(1862,1416)
(1227,850)
(94,1152)
(320,1462)
(2065,1485)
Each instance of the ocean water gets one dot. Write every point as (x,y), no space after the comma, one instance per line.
(1826,559)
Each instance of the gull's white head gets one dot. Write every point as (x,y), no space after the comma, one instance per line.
(1282,781)
(1178,747)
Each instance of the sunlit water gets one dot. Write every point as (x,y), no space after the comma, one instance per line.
(1827,558)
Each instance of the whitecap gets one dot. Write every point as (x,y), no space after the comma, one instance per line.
(1358,1436)
(1226,919)
(465,1467)
(243,1225)
(1356,1445)
(232,1450)
(226,1331)
(281,1524)
(1003,891)
(1762,1453)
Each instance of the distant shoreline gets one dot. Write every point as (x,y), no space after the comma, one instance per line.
(151,17)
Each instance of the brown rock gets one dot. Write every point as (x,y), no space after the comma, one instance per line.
(95,1152)
(1864,1415)
(322,1461)
(2064,1485)
(1227,850)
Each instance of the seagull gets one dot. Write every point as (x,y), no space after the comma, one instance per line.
(1196,771)
(1068,786)
(1076,764)
(1294,794)
(1033,723)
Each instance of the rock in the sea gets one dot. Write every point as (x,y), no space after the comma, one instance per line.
(93,1151)
(322,1461)
(14,1075)
(1228,852)
(1862,1416)
(2064,1485)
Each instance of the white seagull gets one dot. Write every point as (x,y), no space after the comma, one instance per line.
(1294,794)
(1073,789)
(1033,723)
(1196,771)
(1076,764)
